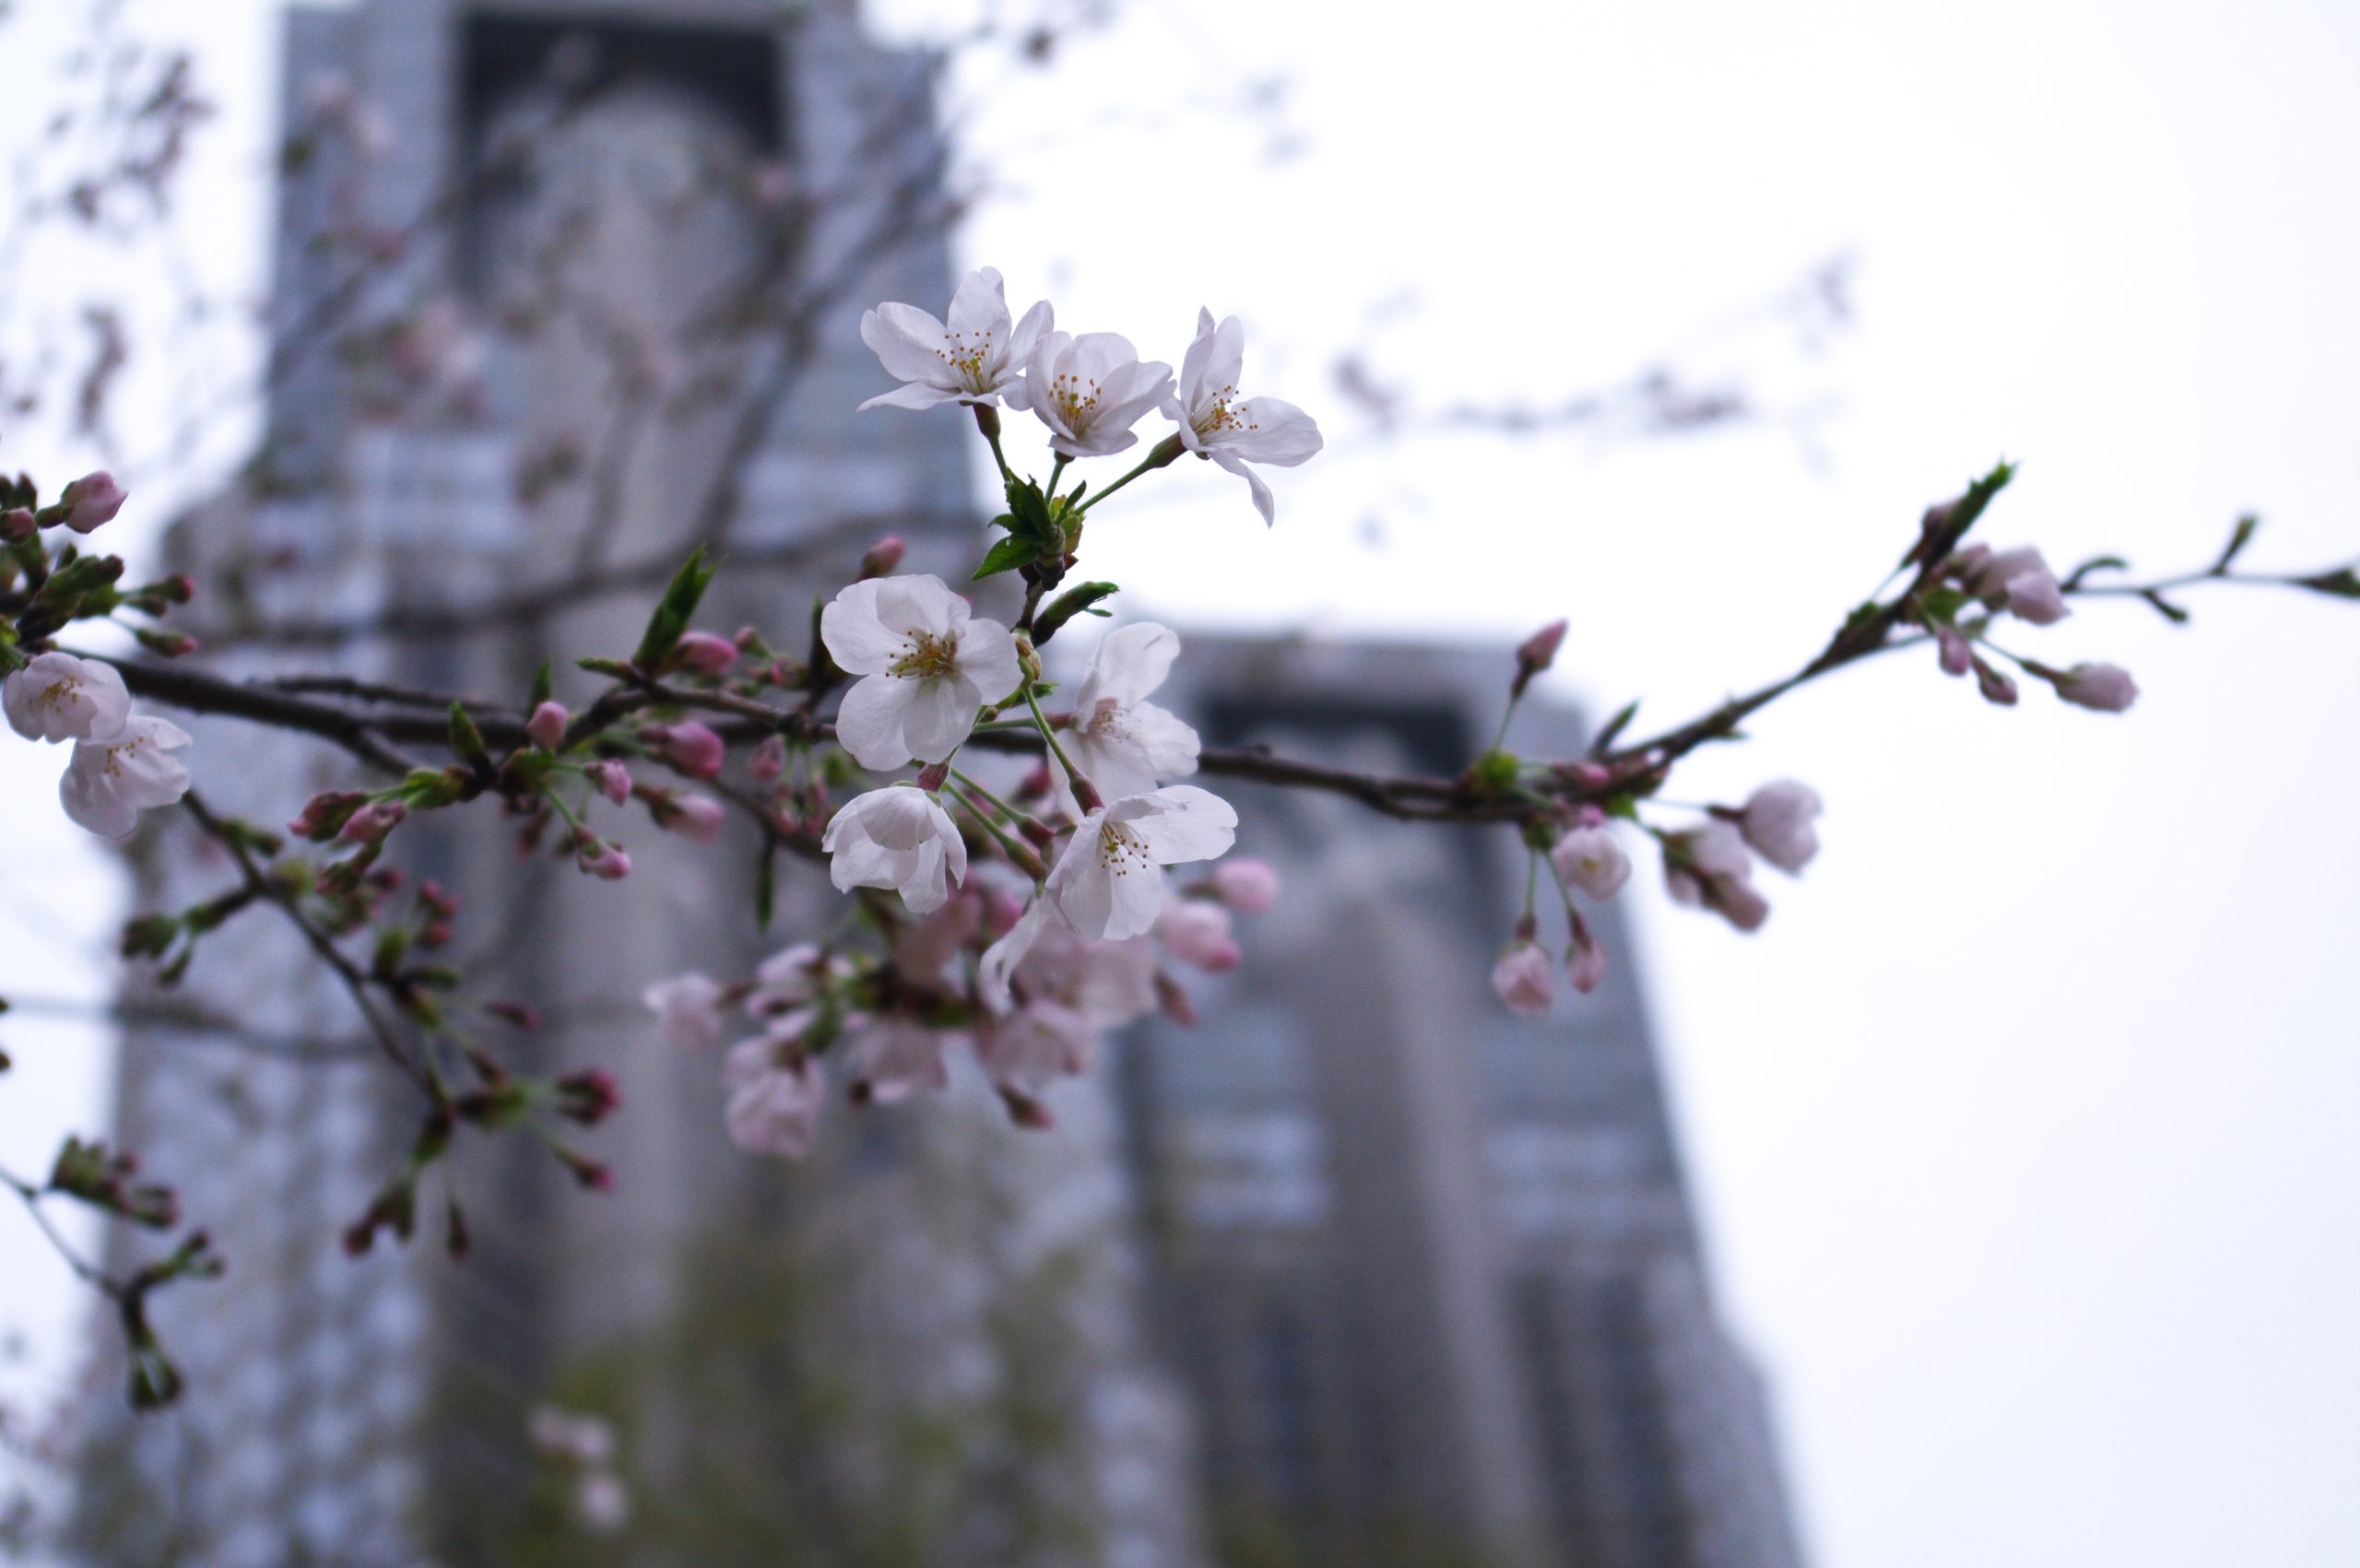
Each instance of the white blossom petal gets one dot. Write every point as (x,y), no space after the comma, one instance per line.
(870,720)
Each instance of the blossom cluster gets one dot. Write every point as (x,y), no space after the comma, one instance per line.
(1019,915)
(121,763)
(1089,391)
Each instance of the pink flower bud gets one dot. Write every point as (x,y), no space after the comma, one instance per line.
(1958,655)
(882,556)
(588,1097)
(602,859)
(1248,886)
(690,747)
(705,653)
(2036,596)
(1196,931)
(768,760)
(325,813)
(1173,999)
(545,728)
(1584,961)
(374,821)
(1537,653)
(1523,977)
(91,500)
(1997,688)
(611,777)
(2108,689)
(696,818)
(17,523)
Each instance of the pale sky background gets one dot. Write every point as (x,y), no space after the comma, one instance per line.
(2027,1134)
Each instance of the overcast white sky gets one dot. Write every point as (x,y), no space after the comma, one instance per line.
(2028,1132)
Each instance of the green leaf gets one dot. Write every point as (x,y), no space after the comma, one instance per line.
(1029,512)
(2095,563)
(2343,584)
(2238,539)
(466,741)
(1074,601)
(2165,608)
(1615,727)
(542,687)
(673,611)
(1009,554)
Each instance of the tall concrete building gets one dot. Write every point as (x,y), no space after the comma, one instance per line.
(1359,1270)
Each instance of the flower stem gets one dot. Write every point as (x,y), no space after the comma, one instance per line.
(1154,459)
(1041,722)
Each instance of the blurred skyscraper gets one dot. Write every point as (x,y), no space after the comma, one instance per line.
(1359,1270)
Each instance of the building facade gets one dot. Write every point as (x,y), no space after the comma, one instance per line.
(1358,1270)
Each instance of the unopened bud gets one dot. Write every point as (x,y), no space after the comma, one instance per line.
(91,501)
(374,821)
(325,813)
(170,644)
(587,1097)
(2107,689)
(18,523)
(768,760)
(1996,687)
(545,728)
(1536,654)
(887,553)
(705,653)
(1957,657)
(688,746)
(1248,886)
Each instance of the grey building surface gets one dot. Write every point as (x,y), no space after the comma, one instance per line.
(1358,1271)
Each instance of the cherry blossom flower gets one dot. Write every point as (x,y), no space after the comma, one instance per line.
(1589,858)
(112,780)
(1124,743)
(891,1059)
(1216,423)
(2106,688)
(1249,887)
(928,664)
(688,1011)
(791,978)
(1709,869)
(897,837)
(775,1095)
(1776,822)
(2018,581)
(1037,1044)
(602,1503)
(1197,931)
(922,946)
(1109,883)
(58,697)
(1109,984)
(1090,391)
(974,358)
(1525,979)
